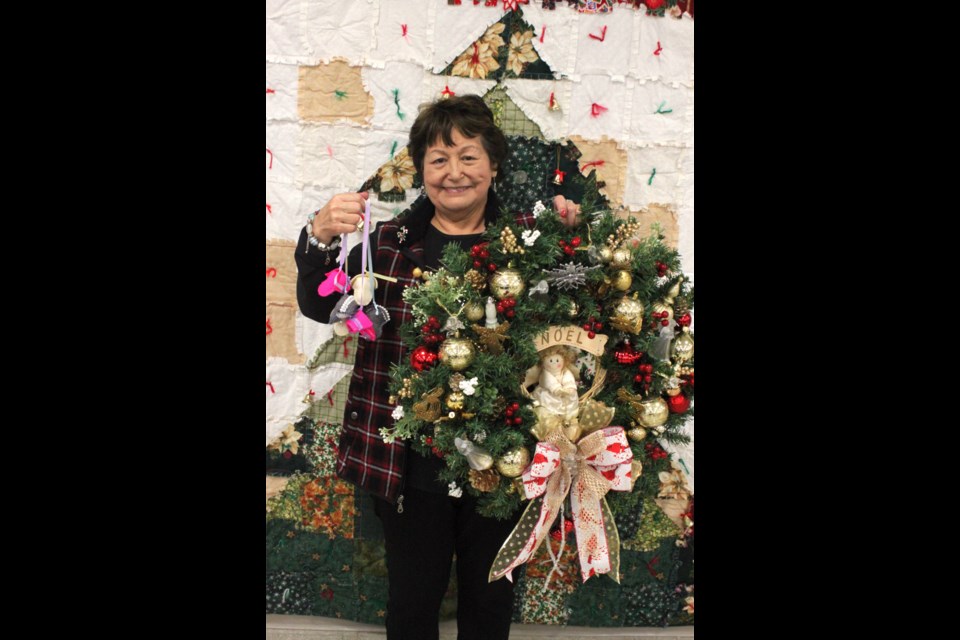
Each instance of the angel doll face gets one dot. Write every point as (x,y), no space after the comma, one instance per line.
(553,363)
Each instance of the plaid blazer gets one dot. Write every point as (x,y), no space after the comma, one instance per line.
(362,457)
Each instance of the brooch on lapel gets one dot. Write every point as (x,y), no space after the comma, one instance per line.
(402,235)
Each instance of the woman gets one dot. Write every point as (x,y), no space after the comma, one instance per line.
(457,149)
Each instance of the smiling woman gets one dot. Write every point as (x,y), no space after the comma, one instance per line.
(457,149)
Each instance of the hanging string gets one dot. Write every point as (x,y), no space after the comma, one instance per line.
(271,158)
(650,181)
(393,149)
(543,33)
(595,163)
(330,396)
(659,49)
(346,352)
(602,36)
(270,384)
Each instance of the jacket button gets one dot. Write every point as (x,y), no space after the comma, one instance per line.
(354,415)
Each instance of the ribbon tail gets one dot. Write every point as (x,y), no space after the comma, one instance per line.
(598,543)
(516,548)
(613,540)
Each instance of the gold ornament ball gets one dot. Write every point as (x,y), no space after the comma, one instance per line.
(637,434)
(675,391)
(682,349)
(653,412)
(621,258)
(660,307)
(574,309)
(514,462)
(417,272)
(457,353)
(506,282)
(606,254)
(622,280)
(455,400)
(628,315)
(474,312)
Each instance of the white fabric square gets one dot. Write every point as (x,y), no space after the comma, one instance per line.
(685,210)
(335,28)
(433,86)
(662,189)
(284,216)
(377,147)
(331,157)
(456,28)
(604,93)
(407,78)
(674,63)
(280,160)
(284,36)
(562,30)
(286,386)
(392,44)
(311,335)
(533,98)
(611,56)
(672,125)
(281,91)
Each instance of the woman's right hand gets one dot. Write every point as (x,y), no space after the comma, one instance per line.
(341,215)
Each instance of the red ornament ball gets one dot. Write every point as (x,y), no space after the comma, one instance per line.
(678,403)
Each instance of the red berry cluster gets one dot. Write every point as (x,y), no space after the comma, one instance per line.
(437,452)
(655,451)
(684,320)
(431,331)
(509,417)
(479,253)
(662,316)
(687,379)
(570,247)
(591,326)
(645,375)
(505,306)
(661,269)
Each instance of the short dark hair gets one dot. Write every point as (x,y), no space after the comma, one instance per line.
(469,115)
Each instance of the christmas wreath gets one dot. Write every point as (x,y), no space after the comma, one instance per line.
(545,365)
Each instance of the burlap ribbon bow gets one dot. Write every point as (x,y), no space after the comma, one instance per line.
(598,463)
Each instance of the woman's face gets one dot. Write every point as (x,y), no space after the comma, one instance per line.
(457,178)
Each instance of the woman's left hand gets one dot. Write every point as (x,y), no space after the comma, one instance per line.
(568,210)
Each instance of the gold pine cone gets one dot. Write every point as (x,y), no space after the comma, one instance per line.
(485,481)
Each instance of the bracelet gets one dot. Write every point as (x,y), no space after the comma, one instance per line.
(312,239)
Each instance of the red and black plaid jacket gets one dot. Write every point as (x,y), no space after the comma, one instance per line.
(363,458)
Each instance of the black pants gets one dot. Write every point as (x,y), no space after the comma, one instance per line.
(420,544)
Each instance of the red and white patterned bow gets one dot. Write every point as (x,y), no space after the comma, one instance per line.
(598,463)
